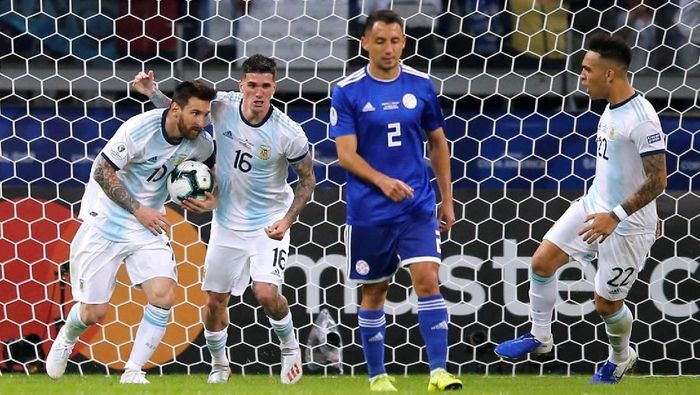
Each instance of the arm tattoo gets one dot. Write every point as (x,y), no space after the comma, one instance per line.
(655,169)
(106,177)
(159,99)
(302,193)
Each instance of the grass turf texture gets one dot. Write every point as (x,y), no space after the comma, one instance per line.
(173,384)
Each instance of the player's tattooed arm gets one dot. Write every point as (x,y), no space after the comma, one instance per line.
(655,169)
(106,177)
(305,187)
(159,99)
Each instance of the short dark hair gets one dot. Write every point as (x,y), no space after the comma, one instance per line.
(260,64)
(386,16)
(611,47)
(189,89)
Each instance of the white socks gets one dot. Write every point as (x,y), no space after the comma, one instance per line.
(74,326)
(618,326)
(216,343)
(284,329)
(148,336)
(543,295)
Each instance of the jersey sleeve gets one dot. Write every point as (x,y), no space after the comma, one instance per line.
(206,149)
(432,114)
(341,117)
(121,148)
(649,138)
(298,146)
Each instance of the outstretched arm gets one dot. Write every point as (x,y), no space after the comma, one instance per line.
(302,194)
(145,84)
(106,177)
(604,224)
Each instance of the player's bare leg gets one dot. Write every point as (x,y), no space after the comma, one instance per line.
(277,309)
(80,317)
(160,293)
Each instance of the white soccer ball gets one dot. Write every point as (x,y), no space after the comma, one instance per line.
(190,179)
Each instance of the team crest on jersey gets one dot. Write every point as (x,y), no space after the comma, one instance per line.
(119,150)
(409,101)
(611,133)
(264,152)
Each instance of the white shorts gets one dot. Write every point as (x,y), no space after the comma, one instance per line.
(620,258)
(94,262)
(235,257)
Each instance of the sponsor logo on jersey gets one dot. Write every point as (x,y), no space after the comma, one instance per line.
(409,101)
(362,267)
(264,152)
(153,159)
(368,107)
(653,138)
(228,134)
(245,142)
(391,105)
(276,272)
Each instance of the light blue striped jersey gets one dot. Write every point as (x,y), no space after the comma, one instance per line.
(144,155)
(627,132)
(252,163)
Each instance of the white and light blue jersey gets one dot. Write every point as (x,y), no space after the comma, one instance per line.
(252,163)
(390,120)
(143,155)
(627,132)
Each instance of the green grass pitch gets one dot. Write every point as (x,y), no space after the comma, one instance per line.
(415,384)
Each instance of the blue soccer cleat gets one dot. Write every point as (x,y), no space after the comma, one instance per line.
(610,373)
(518,348)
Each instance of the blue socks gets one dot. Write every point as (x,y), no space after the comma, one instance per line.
(433,323)
(372,331)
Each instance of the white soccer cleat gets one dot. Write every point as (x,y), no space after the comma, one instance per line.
(219,374)
(58,356)
(291,365)
(134,377)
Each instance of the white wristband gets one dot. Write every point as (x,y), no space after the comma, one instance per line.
(620,212)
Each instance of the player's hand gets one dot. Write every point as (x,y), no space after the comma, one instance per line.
(152,219)
(144,83)
(395,190)
(277,230)
(201,206)
(599,227)
(446,216)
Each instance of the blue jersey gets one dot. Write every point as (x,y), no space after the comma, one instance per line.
(390,120)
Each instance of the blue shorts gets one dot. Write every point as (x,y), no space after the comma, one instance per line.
(375,253)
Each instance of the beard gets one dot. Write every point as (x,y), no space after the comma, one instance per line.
(189,133)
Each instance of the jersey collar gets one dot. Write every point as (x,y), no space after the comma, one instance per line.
(167,138)
(269,114)
(381,80)
(622,103)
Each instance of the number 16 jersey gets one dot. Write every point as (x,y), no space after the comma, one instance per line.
(252,163)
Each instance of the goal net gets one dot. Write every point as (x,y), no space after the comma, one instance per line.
(521,135)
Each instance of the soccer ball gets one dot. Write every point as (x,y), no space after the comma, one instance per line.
(190,179)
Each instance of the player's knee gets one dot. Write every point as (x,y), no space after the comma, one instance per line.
(93,313)
(162,296)
(214,303)
(607,307)
(542,265)
(267,295)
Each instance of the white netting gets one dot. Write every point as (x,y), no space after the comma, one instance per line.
(521,138)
